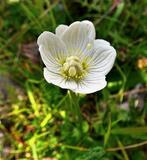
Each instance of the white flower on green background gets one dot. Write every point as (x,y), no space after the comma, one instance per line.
(74,60)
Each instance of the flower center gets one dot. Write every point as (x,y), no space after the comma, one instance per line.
(73,68)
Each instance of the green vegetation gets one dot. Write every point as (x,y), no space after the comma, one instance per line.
(37,119)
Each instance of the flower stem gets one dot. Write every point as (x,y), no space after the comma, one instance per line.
(75,107)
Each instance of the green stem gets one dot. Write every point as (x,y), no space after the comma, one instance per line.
(51,14)
(75,107)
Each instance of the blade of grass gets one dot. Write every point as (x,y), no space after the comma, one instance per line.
(130,130)
(46,120)
(51,13)
(107,135)
(32,100)
(123,150)
(124,81)
(31,16)
(34,149)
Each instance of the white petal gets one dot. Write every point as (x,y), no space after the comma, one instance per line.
(101,42)
(91,84)
(51,42)
(49,60)
(58,80)
(51,48)
(103,57)
(91,29)
(77,38)
(61,29)
(52,77)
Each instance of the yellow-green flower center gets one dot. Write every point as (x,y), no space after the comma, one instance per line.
(73,68)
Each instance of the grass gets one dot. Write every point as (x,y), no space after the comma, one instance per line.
(36,118)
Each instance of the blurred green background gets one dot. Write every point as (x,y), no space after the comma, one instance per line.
(34,115)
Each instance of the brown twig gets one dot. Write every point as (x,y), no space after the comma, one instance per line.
(134,91)
(108,149)
(127,147)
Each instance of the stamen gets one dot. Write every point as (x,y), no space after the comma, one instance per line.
(73,68)
(89,46)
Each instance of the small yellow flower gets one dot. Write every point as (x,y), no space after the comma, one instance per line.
(74,59)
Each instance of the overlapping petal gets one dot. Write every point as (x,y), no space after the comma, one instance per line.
(99,42)
(52,50)
(60,30)
(90,28)
(58,80)
(103,57)
(78,36)
(91,84)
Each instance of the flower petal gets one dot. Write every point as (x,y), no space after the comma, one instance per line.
(103,57)
(58,80)
(49,60)
(78,38)
(52,50)
(61,29)
(91,29)
(91,84)
(101,42)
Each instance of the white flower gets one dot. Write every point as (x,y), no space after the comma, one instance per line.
(74,59)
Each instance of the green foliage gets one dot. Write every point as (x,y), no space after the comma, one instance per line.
(94,154)
(39,120)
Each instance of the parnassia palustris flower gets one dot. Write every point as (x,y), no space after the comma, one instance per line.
(74,59)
